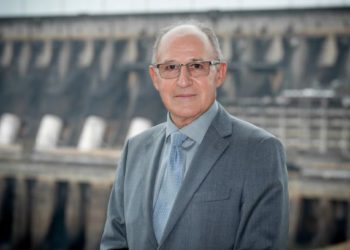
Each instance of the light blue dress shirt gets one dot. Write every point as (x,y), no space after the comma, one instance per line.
(195,133)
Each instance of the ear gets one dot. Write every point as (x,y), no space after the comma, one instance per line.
(221,74)
(154,76)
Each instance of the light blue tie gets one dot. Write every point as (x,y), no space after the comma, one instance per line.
(170,185)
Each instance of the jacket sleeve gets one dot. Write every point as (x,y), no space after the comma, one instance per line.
(114,234)
(265,204)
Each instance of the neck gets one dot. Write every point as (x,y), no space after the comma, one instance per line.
(181,122)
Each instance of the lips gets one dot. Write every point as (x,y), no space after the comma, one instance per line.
(184,95)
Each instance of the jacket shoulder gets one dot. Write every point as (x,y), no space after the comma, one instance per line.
(242,129)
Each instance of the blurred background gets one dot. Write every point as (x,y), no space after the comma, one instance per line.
(74,86)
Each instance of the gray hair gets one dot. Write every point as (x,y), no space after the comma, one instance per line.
(208,31)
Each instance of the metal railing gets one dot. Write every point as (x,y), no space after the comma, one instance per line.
(321,130)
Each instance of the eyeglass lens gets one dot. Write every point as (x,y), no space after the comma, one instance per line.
(195,69)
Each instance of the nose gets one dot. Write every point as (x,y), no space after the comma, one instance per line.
(184,78)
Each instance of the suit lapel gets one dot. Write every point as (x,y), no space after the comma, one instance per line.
(153,149)
(211,148)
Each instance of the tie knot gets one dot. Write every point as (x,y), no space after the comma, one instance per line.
(177,139)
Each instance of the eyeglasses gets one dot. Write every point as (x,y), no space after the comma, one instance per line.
(195,69)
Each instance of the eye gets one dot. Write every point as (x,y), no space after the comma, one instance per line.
(196,66)
(170,67)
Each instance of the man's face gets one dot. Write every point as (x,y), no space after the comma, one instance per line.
(187,97)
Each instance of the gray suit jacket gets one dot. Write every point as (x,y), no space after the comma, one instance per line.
(234,195)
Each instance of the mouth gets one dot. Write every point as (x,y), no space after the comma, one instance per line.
(185,96)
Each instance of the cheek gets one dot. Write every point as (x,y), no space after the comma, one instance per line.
(208,90)
(165,91)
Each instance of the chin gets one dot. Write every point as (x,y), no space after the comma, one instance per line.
(189,115)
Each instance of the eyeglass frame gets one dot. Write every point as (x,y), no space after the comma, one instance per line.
(211,63)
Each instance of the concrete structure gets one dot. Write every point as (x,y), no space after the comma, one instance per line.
(9,128)
(87,76)
(49,133)
(92,134)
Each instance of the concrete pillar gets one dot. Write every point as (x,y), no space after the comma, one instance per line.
(49,133)
(96,209)
(275,52)
(347,62)
(130,52)
(63,59)
(325,223)
(348,222)
(42,209)
(245,47)
(227,47)
(25,56)
(2,190)
(298,64)
(92,135)
(20,211)
(329,52)
(229,87)
(9,126)
(87,54)
(74,210)
(7,54)
(295,208)
(45,56)
(134,90)
(106,59)
(138,125)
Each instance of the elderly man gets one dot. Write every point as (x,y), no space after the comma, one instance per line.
(203,179)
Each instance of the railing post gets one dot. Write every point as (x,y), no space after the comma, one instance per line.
(345,133)
(323,147)
(283,124)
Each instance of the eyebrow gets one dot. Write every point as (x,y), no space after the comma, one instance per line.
(192,60)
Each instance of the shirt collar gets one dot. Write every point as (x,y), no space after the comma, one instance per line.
(198,128)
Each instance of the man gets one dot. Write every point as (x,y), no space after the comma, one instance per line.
(203,179)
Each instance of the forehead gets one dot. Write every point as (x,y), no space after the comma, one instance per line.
(184,42)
